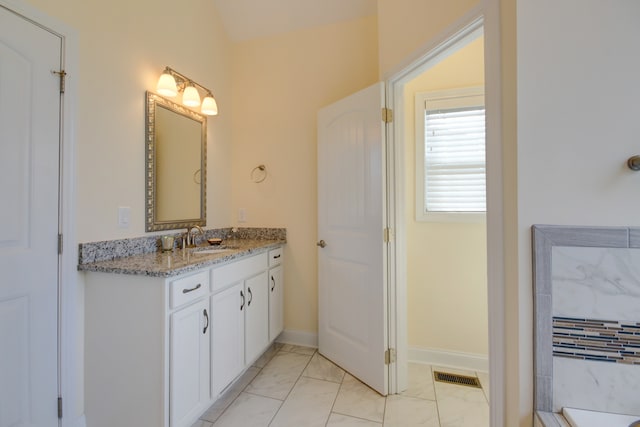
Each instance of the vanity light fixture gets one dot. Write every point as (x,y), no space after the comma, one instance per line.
(190,96)
(172,82)
(209,105)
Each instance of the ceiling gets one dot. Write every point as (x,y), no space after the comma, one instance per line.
(250,19)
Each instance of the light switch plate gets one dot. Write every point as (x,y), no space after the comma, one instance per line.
(124,216)
(242,215)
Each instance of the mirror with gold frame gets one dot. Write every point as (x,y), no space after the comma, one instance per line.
(176,157)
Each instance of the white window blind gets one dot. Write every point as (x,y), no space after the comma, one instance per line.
(450,155)
(455,160)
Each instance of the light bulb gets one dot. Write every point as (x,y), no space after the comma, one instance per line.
(209,106)
(167,85)
(191,97)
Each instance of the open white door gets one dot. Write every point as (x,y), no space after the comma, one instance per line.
(29,176)
(351,254)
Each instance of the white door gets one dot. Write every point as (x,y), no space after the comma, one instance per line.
(351,265)
(29,172)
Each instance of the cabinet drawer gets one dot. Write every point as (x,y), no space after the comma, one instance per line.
(189,288)
(275,257)
(238,270)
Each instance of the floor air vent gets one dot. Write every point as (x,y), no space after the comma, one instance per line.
(445,377)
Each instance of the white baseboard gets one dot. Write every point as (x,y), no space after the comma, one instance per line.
(451,359)
(306,339)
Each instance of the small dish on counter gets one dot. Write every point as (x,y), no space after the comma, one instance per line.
(214,241)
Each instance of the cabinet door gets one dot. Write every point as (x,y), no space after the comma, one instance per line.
(227,336)
(256,317)
(189,363)
(276,302)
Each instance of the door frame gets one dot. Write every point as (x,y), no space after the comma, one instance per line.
(70,322)
(484,17)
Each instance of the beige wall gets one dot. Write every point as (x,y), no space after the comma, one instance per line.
(400,43)
(446,262)
(556,170)
(404,26)
(279,84)
(123,48)
(518,365)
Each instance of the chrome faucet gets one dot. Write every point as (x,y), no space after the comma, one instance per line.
(189,239)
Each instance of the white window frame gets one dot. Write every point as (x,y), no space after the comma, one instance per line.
(443,99)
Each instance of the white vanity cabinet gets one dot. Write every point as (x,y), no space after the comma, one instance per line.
(227,336)
(159,351)
(240,307)
(189,357)
(256,329)
(147,349)
(276,293)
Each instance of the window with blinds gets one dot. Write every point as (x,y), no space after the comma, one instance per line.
(451,155)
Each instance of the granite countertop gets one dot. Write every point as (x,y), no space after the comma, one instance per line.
(179,261)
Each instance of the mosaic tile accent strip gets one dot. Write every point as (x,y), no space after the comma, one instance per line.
(598,340)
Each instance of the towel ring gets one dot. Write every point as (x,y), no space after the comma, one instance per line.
(259,174)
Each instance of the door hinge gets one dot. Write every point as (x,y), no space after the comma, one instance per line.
(59,244)
(387,235)
(63,76)
(60,408)
(387,115)
(389,356)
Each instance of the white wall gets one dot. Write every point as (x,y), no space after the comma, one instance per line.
(578,67)
(446,262)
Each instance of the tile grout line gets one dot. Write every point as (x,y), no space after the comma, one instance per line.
(335,398)
(242,390)
(294,384)
(435,393)
(483,390)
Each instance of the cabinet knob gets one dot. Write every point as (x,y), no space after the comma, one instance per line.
(321,243)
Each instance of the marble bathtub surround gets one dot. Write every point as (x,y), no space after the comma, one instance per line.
(597,386)
(587,309)
(112,249)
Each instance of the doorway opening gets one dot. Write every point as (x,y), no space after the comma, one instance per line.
(446,241)
(439,302)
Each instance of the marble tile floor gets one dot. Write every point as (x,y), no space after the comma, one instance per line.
(292,386)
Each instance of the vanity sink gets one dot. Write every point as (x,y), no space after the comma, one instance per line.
(209,250)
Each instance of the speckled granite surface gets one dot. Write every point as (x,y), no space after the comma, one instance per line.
(142,256)
(179,261)
(112,249)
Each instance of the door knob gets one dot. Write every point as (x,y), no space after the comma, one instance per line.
(321,243)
